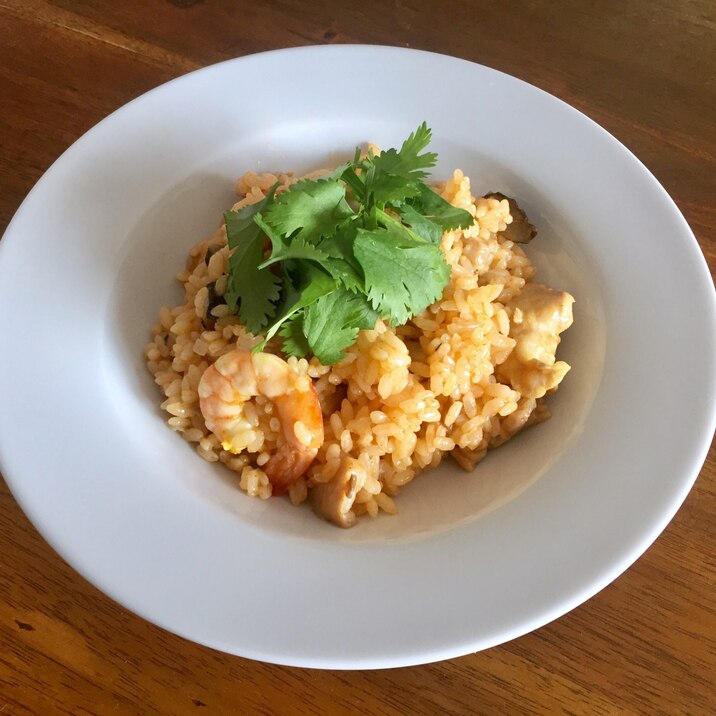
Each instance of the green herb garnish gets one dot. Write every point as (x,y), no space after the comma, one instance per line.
(347,248)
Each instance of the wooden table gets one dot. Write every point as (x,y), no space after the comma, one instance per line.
(643,69)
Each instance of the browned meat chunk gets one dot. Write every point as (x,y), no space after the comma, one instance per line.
(334,500)
(520,230)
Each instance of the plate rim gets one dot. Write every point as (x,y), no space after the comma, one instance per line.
(563,607)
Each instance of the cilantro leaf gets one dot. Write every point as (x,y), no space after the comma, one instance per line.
(333,254)
(277,242)
(395,175)
(298,248)
(338,172)
(344,272)
(428,215)
(331,324)
(434,208)
(294,341)
(313,283)
(340,265)
(354,182)
(311,207)
(425,228)
(341,262)
(397,227)
(249,288)
(387,189)
(240,224)
(401,278)
(255,290)
(408,162)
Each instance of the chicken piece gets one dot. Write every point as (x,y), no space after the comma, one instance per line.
(334,499)
(529,412)
(466,458)
(520,230)
(539,315)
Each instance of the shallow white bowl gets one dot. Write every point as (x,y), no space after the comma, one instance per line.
(473,559)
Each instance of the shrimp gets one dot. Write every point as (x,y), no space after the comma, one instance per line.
(227,386)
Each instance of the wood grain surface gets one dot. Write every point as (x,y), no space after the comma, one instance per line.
(646,71)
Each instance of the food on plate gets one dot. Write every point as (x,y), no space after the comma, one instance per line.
(519,229)
(343,331)
(225,392)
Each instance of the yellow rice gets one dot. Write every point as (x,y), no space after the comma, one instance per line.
(401,399)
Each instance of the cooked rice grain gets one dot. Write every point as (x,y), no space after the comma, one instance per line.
(400,399)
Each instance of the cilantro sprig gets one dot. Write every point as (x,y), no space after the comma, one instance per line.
(327,257)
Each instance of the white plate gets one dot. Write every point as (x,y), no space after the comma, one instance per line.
(472,560)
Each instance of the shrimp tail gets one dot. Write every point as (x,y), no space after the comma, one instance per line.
(286,466)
